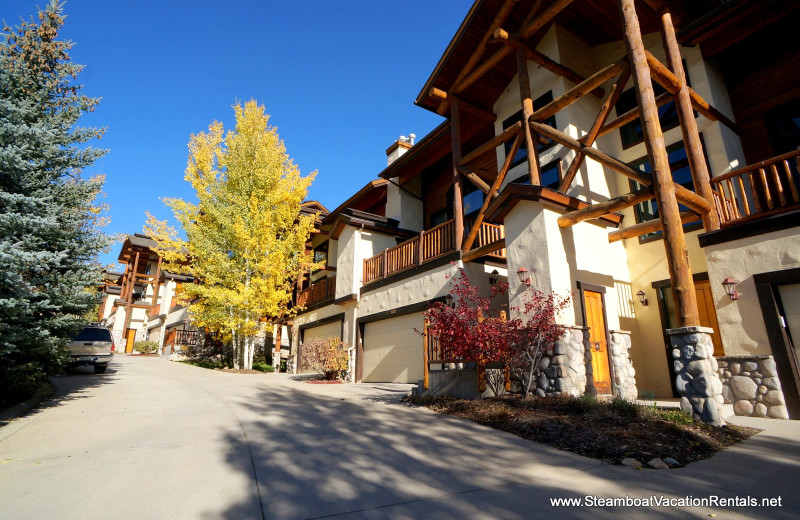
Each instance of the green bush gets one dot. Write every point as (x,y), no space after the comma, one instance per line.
(145,347)
(262,367)
(19,382)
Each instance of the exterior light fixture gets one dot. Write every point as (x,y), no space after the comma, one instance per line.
(448,300)
(524,276)
(730,288)
(642,298)
(493,277)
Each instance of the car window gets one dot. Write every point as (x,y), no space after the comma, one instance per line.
(93,334)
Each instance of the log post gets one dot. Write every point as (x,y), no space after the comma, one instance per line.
(131,285)
(458,209)
(691,137)
(674,240)
(527,112)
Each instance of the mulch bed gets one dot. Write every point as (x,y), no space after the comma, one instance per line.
(608,431)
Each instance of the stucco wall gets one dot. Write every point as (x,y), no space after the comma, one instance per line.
(741,321)
(422,287)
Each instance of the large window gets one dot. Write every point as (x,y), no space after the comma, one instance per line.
(681,174)
(522,153)
(472,198)
(550,175)
(631,133)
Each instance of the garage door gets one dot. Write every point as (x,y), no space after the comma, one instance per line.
(393,350)
(330,330)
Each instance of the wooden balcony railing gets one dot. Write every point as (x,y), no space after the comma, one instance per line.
(487,234)
(319,292)
(758,190)
(430,244)
(187,337)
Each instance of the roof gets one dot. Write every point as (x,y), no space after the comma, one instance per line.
(375,189)
(313,206)
(364,220)
(595,22)
(136,242)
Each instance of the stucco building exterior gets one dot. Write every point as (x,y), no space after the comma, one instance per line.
(634,155)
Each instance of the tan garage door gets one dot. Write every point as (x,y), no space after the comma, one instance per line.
(330,330)
(393,350)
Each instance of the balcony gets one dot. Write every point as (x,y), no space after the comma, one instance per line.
(758,190)
(319,292)
(429,245)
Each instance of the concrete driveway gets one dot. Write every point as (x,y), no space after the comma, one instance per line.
(161,440)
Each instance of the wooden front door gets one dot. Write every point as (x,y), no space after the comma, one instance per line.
(595,320)
(130,336)
(707,313)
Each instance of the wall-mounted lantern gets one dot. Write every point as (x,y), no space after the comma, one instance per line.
(524,276)
(642,298)
(730,288)
(494,276)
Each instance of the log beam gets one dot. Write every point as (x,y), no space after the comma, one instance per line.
(601,157)
(531,141)
(648,227)
(474,179)
(674,239)
(631,115)
(444,97)
(542,60)
(458,203)
(601,208)
(501,175)
(672,84)
(492,143)
(579,90)
(692,200)
(484,250)
(544,18)
(602,116)
(498,21)
(482,69)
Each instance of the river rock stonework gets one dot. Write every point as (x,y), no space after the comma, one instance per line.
(751,385)
(563,370)
(696,374)
(624,373)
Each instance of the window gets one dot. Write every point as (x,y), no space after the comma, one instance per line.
(631,133)
(522,153)
(321,253)
(783,126)
(681,174)
(550,176)
(438,217)
(472,198)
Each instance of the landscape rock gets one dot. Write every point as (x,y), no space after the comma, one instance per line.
(657,463)
(743,387)
(631,462)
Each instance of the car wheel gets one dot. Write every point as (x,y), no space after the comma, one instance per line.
(100,369)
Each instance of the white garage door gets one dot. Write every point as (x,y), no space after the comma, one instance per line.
(393,350)
(330,330)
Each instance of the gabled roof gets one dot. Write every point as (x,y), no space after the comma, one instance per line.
(313,206)
(364,220)
(372,192)
(136,242)
(595,22)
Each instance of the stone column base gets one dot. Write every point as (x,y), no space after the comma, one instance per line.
(562,371)
(696,374)
(624,373)
(276,360)
(751,385)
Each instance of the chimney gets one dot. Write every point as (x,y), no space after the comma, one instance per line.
(399,147)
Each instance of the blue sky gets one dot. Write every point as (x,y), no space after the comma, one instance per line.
(338,79)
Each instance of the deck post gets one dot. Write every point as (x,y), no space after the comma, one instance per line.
(458,209)
(691,136)
(527,112)
(674,240)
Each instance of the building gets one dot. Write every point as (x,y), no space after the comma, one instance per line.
(636,155)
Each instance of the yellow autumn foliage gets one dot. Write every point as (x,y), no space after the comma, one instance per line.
(244,237)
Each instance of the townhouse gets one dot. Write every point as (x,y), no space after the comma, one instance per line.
(641,156)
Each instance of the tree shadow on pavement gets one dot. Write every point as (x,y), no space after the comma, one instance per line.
(318,456)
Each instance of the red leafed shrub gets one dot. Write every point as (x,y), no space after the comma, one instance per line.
(326,356)
(471,328)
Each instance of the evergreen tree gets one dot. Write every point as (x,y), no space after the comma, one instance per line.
(49,220)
